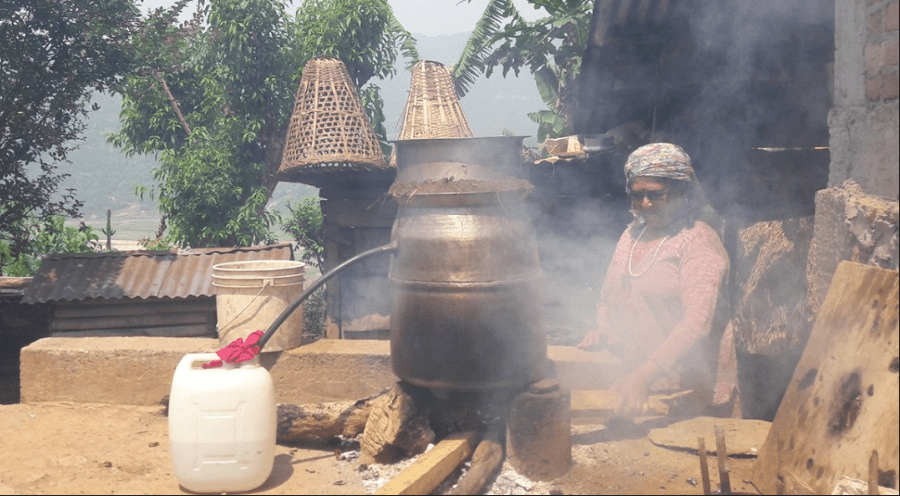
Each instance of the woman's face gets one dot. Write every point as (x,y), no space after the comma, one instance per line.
(658,203)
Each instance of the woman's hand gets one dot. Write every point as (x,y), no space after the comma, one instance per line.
(633,390)
(592,339)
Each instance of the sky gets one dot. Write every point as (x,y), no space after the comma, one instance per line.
(428,17)
(492,106)
(444,17)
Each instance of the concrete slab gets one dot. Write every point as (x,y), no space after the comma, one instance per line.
(138,370)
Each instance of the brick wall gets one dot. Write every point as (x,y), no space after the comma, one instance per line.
(881,51)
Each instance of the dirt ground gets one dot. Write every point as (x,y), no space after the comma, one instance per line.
(65,448)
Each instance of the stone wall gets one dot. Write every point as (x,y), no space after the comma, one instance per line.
(856,216)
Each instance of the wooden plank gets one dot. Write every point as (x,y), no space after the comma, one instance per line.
(844,397)
(432,467)
(600,403)
(126,309)
(144,321)
(7,282)
(360,213)
(178,331)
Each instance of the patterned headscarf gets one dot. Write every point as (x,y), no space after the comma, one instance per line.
(659,160)
(670,161)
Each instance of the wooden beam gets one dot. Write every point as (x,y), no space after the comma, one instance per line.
(15,282)
(141,321)
(120,309)
(432,467)
(176,331)
(601,403)
(485,460)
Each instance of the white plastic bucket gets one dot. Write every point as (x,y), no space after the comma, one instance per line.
(222,424)
(251,294)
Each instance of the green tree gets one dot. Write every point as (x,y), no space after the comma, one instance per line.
(550,47)
(53,55)
(215,94)
(49,235)
(306,227)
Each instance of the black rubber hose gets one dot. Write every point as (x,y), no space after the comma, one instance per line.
(389,248)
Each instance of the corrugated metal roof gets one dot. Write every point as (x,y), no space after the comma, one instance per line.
(139,274)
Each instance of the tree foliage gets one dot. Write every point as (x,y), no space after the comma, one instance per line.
(214,96)
(364,34)
(305,225)
(53,55)
(45,236)
(550,48)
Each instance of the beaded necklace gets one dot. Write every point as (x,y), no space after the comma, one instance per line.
(652,259)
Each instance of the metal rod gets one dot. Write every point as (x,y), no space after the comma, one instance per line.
(721,455)
(388,248)
(704,465)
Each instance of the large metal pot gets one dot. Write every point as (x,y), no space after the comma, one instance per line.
(458,159)
(466,283)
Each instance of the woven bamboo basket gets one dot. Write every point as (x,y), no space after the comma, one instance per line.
(432,109)
(329,131)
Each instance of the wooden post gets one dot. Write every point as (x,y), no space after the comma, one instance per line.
(721,454)
(704,465)
(873,473)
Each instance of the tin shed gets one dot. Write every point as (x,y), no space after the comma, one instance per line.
(137,293)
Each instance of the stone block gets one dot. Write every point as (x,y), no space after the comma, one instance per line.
(138,370)
(873,58)
(875,22)
(890,17)
(850,225)
(538,433)
(890,52)
(873,87)
(864,147)
(890,87)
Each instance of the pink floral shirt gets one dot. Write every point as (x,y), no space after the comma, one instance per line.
(674,310)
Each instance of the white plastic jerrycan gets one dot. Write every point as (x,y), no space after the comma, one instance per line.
(222,423)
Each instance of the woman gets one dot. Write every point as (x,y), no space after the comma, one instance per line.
(663,307)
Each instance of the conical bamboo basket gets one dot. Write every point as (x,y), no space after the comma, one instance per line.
(329,131)
(432,108)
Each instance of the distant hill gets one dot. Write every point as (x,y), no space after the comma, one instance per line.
(105,178)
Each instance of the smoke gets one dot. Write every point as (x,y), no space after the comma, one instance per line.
(757,75)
